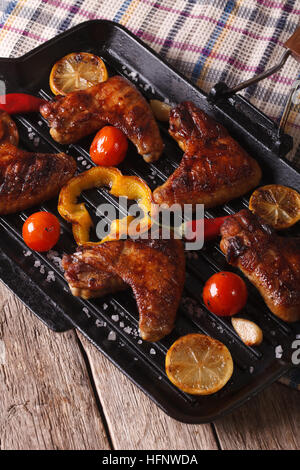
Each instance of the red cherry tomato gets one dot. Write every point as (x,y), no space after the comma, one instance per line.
(225,293)
(41,231)
(109,147)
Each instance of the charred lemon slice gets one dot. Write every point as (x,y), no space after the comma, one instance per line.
(198,364)
(77,71)
(278,205)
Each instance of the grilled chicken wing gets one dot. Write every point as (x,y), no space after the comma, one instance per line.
(214,168)
(154,269)
(116,102)
(270,262)
(27,179)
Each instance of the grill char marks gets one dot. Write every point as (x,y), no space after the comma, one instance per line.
(28,179)
(270,262)
(214,168)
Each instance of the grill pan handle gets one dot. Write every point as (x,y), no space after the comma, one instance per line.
(292,46)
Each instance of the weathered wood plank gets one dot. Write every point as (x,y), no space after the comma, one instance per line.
(271,421)
(46,397)
(134,421)
(48,403)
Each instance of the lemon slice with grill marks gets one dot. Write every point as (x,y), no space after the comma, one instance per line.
(198,364)
(77,71)
(278,205)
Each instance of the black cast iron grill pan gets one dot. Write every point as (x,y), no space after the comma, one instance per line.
(111,323)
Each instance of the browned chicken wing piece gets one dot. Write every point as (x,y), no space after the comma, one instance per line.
(87,277)
(8,129)
(27,179)
(154,269)
(214,168)
(270,262)
(116,102)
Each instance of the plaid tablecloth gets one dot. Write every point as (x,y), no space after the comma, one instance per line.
(207,40)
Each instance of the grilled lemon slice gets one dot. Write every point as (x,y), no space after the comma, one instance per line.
(77,71)
(278,205)
(198,364)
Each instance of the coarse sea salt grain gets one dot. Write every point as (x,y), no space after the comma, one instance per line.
(105,306)
(42,269)
(152,351)
(128,330)
(27,253)
(52,255)
(112,336)
(50,276)
(86,311)
(134,76)
(37,264)
(121,324)
(115,317)
(278,351)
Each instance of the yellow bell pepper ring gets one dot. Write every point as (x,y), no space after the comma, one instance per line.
(131,187)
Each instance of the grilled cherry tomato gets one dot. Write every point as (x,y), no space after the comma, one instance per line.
(225,294)
(109,147)
(41,231)
(211,228)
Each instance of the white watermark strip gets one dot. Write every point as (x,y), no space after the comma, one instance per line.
(166,222)
(296,353)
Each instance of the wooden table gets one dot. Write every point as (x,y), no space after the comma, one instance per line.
(58,392)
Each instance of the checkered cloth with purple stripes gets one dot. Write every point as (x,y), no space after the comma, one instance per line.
(207,40)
